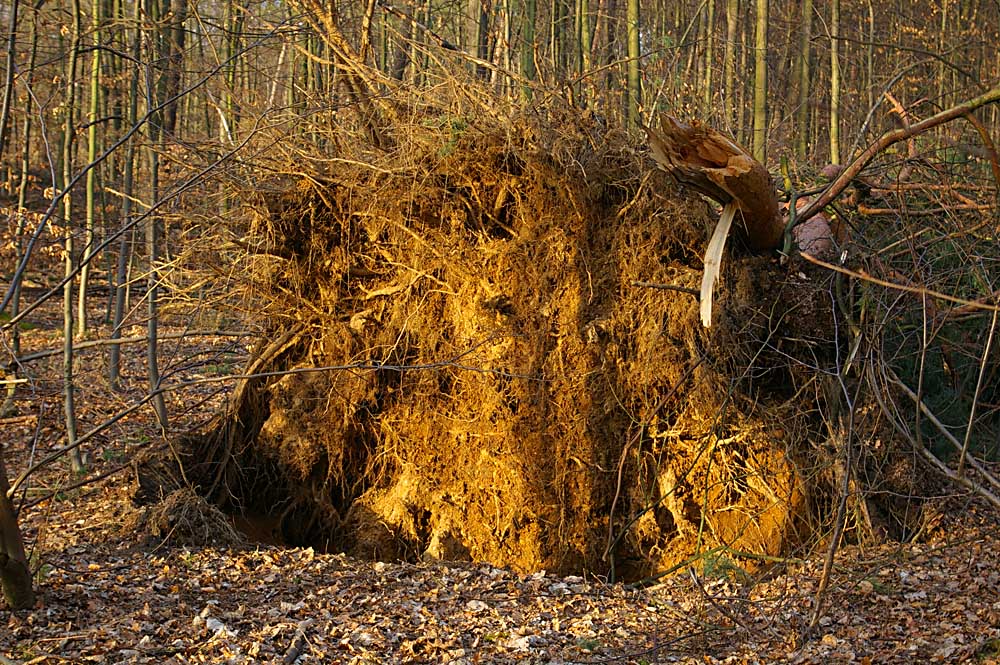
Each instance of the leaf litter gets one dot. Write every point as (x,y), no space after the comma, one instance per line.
(107,597)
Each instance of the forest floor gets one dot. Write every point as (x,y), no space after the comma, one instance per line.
(108,595)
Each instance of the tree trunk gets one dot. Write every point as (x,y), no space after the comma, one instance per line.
(15,574)
(173,41)
(870,57)
(802,113)
(90,220)
(125,245)
(745,40)
(479,25)
(528,69)
(707,89)
(556,35)
(8,84)
(729,64)
(586,36)
(835,81)
(760,84)
(634,86)
(22,186)
(153,234)
(69,131)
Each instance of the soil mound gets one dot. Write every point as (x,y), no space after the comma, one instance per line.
(473,357)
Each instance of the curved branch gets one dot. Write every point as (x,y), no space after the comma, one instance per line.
(841,182)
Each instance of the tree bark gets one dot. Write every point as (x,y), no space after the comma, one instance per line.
(22,186)
(729,63)
(173,41)
(91,185)
(8,84)
(153,243)
(707,90)
(802,112)
(125,245)
(483,9)
(528,69)
(586,36)
(69,131)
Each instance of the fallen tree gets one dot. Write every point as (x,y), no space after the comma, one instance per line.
(464,363)
(467,359)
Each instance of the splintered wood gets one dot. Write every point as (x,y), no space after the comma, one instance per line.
(704,159)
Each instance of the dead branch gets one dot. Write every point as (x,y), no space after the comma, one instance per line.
(138,339)
(988,144)
(298,642)
(924,212)
(668,287)
(840,183)
(970,304)
(948,436)
(929,187)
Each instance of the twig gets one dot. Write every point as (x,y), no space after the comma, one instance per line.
(838,532)
(81,483)
(897,187)
(971,304)
(925,212)
(298,642)
(39,355)
(668,287)
(964,481)
(715,603)
(972,461)
(975,395)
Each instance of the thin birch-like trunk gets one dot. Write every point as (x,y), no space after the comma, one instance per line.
(153,243)
(91,183)
(760,84)
(126,243)
(634,84)
(729,64)
(802,112)
(835,81)
(69,131)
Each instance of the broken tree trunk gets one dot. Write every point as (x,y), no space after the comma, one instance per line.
(15,575)
(704,159)
(707,161)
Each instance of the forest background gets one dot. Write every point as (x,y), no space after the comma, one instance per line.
(133,136)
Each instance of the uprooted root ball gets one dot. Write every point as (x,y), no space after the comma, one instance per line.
(470,359)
